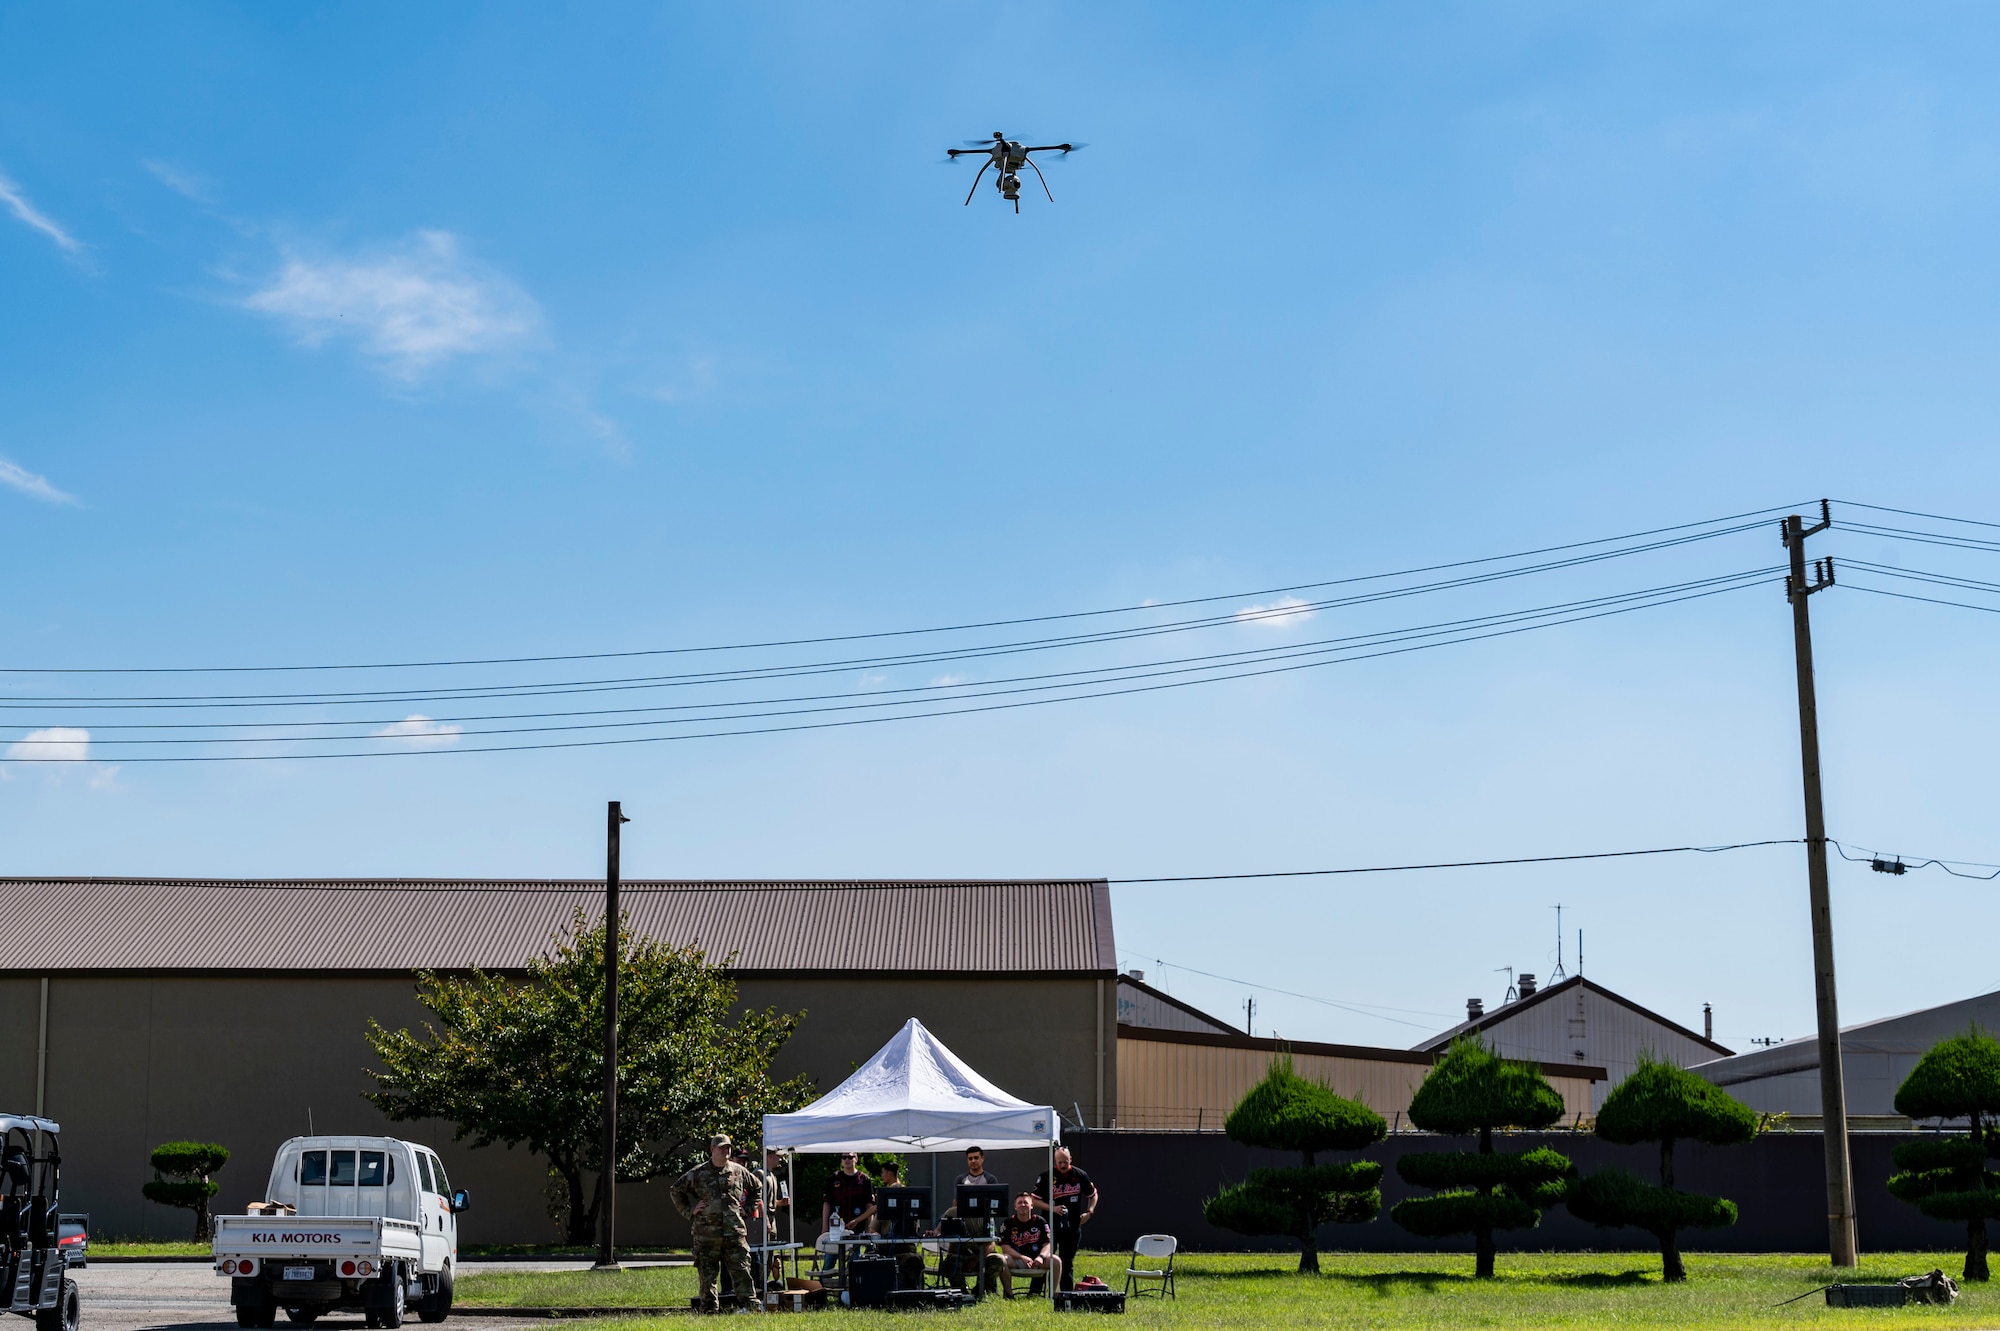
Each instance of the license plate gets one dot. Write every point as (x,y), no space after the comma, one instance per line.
(298,1273)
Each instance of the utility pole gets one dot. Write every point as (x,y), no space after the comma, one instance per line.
(1249,1016)
(607,1181)
(1841,1242)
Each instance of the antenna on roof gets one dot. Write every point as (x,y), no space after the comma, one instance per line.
(1579,951)
(1559,973)
(1512,995)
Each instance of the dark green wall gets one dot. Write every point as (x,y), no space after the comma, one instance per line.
(134,1061)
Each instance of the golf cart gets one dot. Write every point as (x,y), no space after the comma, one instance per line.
(34,1280)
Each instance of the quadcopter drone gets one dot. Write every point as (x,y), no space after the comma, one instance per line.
(1007,157)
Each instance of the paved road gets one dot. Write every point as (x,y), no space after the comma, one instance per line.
(138,1296)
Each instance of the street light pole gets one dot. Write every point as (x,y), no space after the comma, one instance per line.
(607,1253)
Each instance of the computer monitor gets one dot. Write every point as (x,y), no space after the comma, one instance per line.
(983,1201)
(903,1212)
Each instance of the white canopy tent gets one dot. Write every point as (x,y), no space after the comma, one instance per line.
(914,1095)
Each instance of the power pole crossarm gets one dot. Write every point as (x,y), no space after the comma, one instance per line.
(1842,1245)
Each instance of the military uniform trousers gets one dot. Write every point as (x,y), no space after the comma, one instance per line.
(713,1253)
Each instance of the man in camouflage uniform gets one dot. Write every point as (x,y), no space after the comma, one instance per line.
(715,1197)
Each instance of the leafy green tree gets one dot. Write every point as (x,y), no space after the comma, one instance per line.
(181,1178)
(1286,1112)
(1662,1103)
(522,1062)
(1473,1090)
(1946,1177)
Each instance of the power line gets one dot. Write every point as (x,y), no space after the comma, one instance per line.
(1913,513)
(1877,856)
(912,715)
(894,633)
(844,665)
(1450,630)
(1467,864)
(1910,596)
(1358,1009)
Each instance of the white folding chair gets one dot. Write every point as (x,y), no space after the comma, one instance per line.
(1157,1250)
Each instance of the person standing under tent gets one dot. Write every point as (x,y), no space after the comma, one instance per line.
(777,1206)
(849,1195)
(1069,1198)
(978,1257)
(714,1197)
(1024,1245)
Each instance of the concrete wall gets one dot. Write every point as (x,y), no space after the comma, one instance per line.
(1154,1183)
(248,1062)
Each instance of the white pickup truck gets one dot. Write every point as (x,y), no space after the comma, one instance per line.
(348,1222)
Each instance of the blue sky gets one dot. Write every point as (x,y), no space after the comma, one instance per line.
(364,333)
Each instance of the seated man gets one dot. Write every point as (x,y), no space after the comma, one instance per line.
(909,1263)
(1024,1243)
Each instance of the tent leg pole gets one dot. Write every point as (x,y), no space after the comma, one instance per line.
(1052,1281)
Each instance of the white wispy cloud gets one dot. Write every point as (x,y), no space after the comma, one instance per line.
(411,309)
(950,681)
(417,728)
(1284,611)
(16,477)
(182,182)
(57,744)
(17,204)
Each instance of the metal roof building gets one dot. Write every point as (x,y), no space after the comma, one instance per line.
(136,1011)
(1875,1056)
(1580,1021)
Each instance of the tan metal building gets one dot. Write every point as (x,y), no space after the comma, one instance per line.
(1188,1081)
(137,1011)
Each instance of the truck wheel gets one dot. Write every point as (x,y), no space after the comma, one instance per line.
(437,1306)
(67,1315)
(391,1317)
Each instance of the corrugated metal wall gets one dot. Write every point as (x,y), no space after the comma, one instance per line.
(1166,1086)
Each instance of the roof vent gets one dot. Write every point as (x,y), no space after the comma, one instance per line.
(1140,976)
(1527,983)
(1475,1008)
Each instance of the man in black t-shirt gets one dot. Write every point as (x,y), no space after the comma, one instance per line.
(1024,1243)
(1070,1205)
(849,1195)
(979,1257)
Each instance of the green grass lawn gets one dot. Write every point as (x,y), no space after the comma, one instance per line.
(1398,1290)
(148,1248)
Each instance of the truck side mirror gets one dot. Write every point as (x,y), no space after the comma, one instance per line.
(461,1201)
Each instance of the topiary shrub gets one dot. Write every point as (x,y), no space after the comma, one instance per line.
(1946,1178)
(1661,1103)
(1286,1112)
(181,1178)
(1472,1089)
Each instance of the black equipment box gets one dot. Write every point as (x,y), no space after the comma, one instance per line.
(982,1201)
(929,1300)
(870,1281)
(1866,1296)
(1090,1300)
(902,1212)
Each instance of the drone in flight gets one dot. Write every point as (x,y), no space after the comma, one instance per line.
(1007,156)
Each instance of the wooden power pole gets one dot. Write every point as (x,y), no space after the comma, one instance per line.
(1841,1242)
(607,1253)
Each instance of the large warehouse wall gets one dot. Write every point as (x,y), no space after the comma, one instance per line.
(134,1061)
